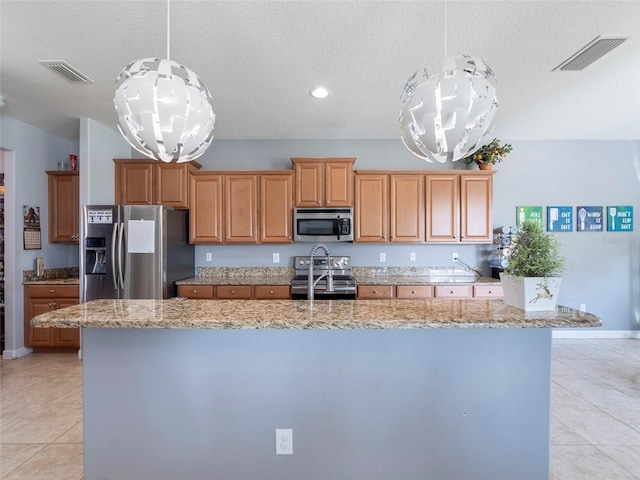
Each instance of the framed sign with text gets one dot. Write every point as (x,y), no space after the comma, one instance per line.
(524,214)
(589,219)
(560,219)
(620,219)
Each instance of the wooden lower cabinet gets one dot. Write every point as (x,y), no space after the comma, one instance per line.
(375,291)
(488,291)
(244,292)
(46,298)
(414,291)
(453,291)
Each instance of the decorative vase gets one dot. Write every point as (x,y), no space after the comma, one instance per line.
(485,166)
(532,294)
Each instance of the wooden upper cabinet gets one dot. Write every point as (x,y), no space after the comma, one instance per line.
(276,208)
(372,208)
(206,214)
(64,206)
(459,207)
(323,182)
(241,207)
(476,200)
(407,206)
(149,182)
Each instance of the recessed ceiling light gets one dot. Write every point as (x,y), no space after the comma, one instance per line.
(319,92)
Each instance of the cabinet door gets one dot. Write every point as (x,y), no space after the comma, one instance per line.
(63,207)
(488,291)
(453,291)
(276,211)
(134,183)
(476,197)
(338,184)
(266,292)
(375,291)
(414,291)
(372,206)
(195,291)
(66,337)
(37,337)
(205,215)
(172,185)
(309,184)
(442,217)
(241,207)
(233,291)
(407,208)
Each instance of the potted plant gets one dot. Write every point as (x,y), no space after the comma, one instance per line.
(488,155)
(531,281)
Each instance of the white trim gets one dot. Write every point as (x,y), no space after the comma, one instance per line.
(596,334)
(13,354)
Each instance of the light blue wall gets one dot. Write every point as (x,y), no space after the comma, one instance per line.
(604,268)
(31,152)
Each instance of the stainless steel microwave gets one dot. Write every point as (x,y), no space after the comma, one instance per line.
(323,224)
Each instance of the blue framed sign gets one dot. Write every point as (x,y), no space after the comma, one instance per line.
(620,218)
(589,219)
(533,214)
(559,219)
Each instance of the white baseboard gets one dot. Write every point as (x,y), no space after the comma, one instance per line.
(13,354)
(596,334)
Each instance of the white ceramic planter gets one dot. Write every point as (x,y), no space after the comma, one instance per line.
(531,293)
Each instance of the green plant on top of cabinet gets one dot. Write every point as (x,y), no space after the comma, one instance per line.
(323,182)
(64,205)
(149,182)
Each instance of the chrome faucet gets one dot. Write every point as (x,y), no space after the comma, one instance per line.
(311,283)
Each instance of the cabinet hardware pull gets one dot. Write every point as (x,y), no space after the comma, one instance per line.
(195,291)
(375,291)
(413,291)
(233,291)
(271,292)
(51,291)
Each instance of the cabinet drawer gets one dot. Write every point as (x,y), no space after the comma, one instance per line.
(453,291)
(52,291)
(272,291)
(195,291)
(487,291)
(233,291)
(414,291)
(375,291)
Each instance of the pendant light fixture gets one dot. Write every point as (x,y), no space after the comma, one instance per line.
(448,107)
(164,110)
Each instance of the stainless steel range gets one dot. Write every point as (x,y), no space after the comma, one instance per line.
(332,278)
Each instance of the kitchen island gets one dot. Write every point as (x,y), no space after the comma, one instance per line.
(382,389)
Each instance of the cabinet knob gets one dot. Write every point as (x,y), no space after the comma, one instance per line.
(451,291)
(413,291)
(51,291)
(490,291)
(233,292)
(375,291)
(195,291)
(271,292)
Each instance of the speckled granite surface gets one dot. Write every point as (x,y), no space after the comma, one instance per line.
(240,276)
(66,275)
(319,314)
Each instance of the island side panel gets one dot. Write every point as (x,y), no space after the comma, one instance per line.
(363,404)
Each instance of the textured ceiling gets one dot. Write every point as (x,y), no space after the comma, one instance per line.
(261,58)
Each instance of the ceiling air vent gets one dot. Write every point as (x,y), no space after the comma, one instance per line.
(66,70)
(591,52)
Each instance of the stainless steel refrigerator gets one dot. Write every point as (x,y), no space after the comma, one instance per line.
(133,251)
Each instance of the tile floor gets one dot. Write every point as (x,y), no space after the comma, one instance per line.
(595,422)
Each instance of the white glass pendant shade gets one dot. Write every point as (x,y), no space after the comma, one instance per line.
(448,108)
(164,110)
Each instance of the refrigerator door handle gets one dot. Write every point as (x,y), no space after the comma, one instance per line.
(114,237)
(121,254)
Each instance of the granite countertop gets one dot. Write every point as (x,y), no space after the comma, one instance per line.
(238,280)
(52,281)
(304,314)
(424,280)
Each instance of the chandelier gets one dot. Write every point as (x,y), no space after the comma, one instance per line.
(446,115)
(165,111)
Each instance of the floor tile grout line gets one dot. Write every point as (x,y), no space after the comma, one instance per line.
(615,461)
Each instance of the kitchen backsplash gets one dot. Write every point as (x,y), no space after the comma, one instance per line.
(51,274)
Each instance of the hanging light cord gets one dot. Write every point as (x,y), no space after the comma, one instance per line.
(445,28)
(168,31)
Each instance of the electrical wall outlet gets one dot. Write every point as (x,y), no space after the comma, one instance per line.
(276,257)
(209,257)
(454,255)
(284,441)
(383,257)
(412,256)
(583,307)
